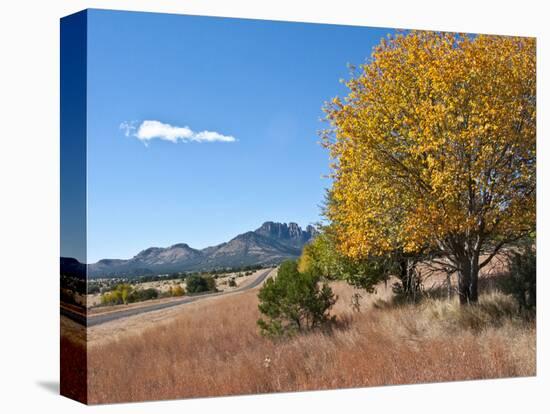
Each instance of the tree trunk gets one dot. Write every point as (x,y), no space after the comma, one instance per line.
(409,280)
(404,276)
(468,274)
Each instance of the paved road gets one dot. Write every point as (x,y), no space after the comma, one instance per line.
(111,316)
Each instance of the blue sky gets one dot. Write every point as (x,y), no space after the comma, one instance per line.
(246,96)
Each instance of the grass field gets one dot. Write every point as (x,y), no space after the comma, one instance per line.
(214,348)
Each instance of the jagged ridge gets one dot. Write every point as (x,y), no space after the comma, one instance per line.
(271,243)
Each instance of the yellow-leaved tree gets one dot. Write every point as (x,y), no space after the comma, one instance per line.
(434,148)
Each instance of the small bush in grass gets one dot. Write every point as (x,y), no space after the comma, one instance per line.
(178,291)
(521,282)
(200,283)
(232,282)
(121,294)
(140,295)
(294,302)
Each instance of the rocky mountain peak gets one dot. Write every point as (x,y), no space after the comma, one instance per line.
(281,230)
(271,228)
(294,231)
(290,233)
(148,252)
(311,230)
(271,243)
(180,246)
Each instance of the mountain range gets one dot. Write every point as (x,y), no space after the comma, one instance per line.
(270,244)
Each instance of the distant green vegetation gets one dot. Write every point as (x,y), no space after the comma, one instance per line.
(118,295)
(73,283)
(175,291)
(125,293)
(118,291)
(200,283)
(159,278)
(103,285)
(139,295)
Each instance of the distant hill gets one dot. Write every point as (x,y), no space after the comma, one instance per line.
(72,268)
(271,243)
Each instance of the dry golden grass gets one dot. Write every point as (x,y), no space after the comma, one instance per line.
(73,373)
(214,348)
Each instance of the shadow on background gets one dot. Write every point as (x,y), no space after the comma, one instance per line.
(50,386)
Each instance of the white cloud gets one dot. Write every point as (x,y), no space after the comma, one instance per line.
(128,127)
(149,130)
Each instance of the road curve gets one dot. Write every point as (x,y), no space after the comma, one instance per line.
(111,316)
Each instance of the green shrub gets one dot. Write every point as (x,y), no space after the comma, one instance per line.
(139,295)
(293,302)
(521,282)
(125,293)
(200,283)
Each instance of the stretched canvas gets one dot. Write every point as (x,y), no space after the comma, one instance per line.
(252,206)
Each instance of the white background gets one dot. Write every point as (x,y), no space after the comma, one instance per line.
(29,206)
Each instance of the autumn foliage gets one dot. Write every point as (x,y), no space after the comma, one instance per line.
(434,149)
